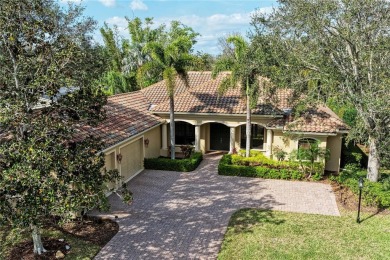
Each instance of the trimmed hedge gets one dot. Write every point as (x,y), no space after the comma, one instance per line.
(373,193)
(259,159)
(179,165)
(226,167)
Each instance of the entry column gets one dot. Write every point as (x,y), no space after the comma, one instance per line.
(197,138)
(232,139)
(164,141)
(268,151)
(164,136)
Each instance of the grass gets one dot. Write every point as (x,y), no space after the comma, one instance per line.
(80,249)
(264,234)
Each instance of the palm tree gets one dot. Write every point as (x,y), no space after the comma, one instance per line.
(243,74)
(172,60)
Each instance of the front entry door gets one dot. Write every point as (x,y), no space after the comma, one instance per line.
(219,137)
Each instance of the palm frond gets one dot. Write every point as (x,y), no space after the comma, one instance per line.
(221,65)
(240,45)
(156,52)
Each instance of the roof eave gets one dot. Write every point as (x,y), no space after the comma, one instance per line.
(213,114)
(310,133)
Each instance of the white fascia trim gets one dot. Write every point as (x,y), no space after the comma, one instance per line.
(217,114)
(311,133)
(128,139)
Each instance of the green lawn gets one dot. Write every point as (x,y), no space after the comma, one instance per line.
(81,249)
(262,234)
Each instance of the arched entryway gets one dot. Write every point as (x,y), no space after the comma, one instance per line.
(219,137)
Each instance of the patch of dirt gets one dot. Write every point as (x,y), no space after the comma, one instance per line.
(95,230)
(25,250)
(348,200)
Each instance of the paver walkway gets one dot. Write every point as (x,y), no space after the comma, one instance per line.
(185,215)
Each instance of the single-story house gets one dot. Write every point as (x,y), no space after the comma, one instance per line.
(137,124)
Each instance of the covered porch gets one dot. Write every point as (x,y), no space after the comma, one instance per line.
(217,135)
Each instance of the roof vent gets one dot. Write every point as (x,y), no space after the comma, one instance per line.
(151,106)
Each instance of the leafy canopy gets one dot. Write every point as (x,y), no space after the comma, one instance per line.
(336,49)
(46,91)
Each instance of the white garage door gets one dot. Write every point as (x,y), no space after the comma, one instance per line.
(132,159)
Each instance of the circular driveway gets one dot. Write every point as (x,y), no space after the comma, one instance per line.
(185,215)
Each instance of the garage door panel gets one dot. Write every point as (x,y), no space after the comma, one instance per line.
(132,159)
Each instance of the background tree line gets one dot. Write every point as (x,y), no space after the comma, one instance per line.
(126,57)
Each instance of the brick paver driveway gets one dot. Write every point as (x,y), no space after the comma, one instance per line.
(185,215)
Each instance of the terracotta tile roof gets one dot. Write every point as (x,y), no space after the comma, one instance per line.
(204,98)
(127,115)
(157,93)
(132,113)
(283,98)
(319,119)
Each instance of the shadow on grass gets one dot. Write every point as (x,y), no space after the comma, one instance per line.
(244,219)
(379,211)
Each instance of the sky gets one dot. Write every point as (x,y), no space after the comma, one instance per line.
(213,19)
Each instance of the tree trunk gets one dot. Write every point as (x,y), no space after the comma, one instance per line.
(172,125)
(248,126)
(373,160)
(36,236)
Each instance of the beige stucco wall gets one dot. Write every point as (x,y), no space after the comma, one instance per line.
(289,144)
(133,152)
(110,164)
(228,120)
(279,140)
(334,144)
(154,137)
(203,138)
(238,138)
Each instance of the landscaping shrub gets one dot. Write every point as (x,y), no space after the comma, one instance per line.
(179,165)
(374,193)
(227,167)
(258,159)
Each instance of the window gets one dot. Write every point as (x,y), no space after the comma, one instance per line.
(184,133)
(305,143)
(257,137)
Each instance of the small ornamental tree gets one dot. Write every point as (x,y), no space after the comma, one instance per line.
(311,152)
(47,168)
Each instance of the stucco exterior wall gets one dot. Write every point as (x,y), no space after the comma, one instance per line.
(279,140)
(154,137)
(133,151)
(334,144)
(238,137)
(110,164)
(289,144)
(228,120)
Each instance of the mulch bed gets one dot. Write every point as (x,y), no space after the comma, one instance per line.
(348,200)
(94,230)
